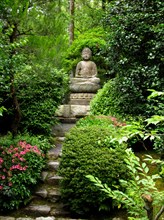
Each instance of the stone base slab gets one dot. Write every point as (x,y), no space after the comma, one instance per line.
(69,111)
(88,85)
(81,98)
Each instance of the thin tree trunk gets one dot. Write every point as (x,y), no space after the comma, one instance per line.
(148,205)
(71,28)
(103,4)
(15,103)
(159,213)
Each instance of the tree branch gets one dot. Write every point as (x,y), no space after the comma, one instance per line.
(159,213)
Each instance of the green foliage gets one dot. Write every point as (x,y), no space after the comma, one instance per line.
(2,109)
(39,96)
(105,102)
(141,184)
(31,48)
(139,132)
(88,15)
(112,123)
(21,168)
(41,141)
(95,40)
(134,53)
(85,151)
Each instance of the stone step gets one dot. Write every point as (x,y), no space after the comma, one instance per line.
(53,180)
(61,129)
(50,193)
(53,165)
(55,153)
(37,210)
(42,208)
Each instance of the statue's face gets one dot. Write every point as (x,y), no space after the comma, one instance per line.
(86,54)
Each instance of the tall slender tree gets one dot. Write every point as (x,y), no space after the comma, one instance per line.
(72,23)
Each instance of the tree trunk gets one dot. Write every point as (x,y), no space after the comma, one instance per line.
(15,103)
(71,28)
(148,205)
(103,4)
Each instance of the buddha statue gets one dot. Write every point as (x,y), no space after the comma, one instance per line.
(86,68)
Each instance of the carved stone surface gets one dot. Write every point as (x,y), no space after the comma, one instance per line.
(73,111)
(86,68)
(81,98)
(88,85)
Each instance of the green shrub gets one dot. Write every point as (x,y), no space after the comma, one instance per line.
(104,102)
(84,152)
(21,166)
(134,53)
(40,95)
(44,143)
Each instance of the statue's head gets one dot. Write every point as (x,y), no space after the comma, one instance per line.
(86,53)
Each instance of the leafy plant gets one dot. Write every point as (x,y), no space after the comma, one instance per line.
(134,56)
(43,142)
(101,120)
(141,192)
(39,96)
(84,151)
(21,166)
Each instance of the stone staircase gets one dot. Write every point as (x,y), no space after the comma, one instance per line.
(45,203)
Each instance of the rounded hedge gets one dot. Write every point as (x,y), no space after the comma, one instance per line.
(85,152)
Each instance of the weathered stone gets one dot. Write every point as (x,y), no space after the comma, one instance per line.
(38,210)
(61,139)
(24,218)
(64,111)
(85,87)
(61,129)
(42,193)
(93,80)
(75,110)
(6,218)
(86,68)
(54,195)
(46,218)
(54,180)
(53,165)
(44,175)
(80,110)
(81,98)
(57,212)
(81,85)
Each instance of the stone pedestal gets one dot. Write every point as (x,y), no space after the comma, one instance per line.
(82,91)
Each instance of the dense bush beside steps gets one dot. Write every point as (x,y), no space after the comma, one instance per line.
(85,151)
(20,168)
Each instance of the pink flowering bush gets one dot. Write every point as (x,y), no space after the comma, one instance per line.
(20,168)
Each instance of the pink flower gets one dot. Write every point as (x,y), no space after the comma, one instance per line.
(1,187)
(10,184)
(3,177)
(22,152)
(21,159)
(1,160)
